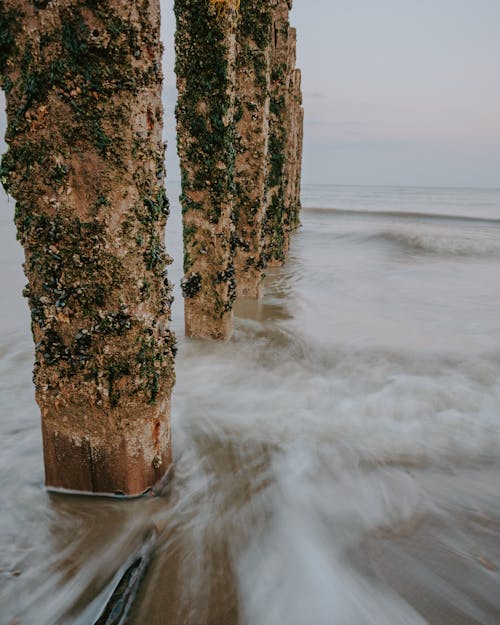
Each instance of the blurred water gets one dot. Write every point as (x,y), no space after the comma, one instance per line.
(336,462)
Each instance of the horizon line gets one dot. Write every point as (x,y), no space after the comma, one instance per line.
(385,186)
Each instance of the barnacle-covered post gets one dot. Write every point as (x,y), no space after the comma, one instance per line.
(205,60)
(254,40)
(294,156)
(86,167)
(277,221)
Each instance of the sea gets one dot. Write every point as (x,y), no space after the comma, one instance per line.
(337,462)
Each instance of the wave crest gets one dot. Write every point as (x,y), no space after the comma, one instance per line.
(443,244)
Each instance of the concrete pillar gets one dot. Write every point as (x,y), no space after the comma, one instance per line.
(86,167)
(254,43)
(205,65)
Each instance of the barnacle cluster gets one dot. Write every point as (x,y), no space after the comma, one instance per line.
(222,8)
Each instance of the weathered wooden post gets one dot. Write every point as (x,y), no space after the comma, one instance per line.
(86,167)
(205,65)
(263,230)
(277,220)
(254,42)
(294,158)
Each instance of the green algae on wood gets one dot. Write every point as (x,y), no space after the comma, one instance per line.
(205,53)
(276,226)
(295,151)
(85,165)
(254,41)
(285,132)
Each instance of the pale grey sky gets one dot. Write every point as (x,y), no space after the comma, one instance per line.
(401,92)
(395,91)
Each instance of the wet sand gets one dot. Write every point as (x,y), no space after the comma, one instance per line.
(446,569)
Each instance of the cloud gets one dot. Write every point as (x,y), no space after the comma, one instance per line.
(315,95)
(340,124)
(350,123)
(369,144)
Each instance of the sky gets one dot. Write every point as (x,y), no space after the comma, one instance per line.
(401,92)
(396,92)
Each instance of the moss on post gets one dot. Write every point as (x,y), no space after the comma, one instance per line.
(297,202)
(294,157)
(205,55)
(86,167)
(277,220)
(254,41)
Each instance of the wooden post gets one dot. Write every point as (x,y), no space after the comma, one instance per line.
(294,157)
(86,167)
(277,220)
(205,65)
(254,41)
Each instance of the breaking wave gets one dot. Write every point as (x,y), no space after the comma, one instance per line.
(442,244)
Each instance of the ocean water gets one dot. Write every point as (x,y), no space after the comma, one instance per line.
(337,461)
